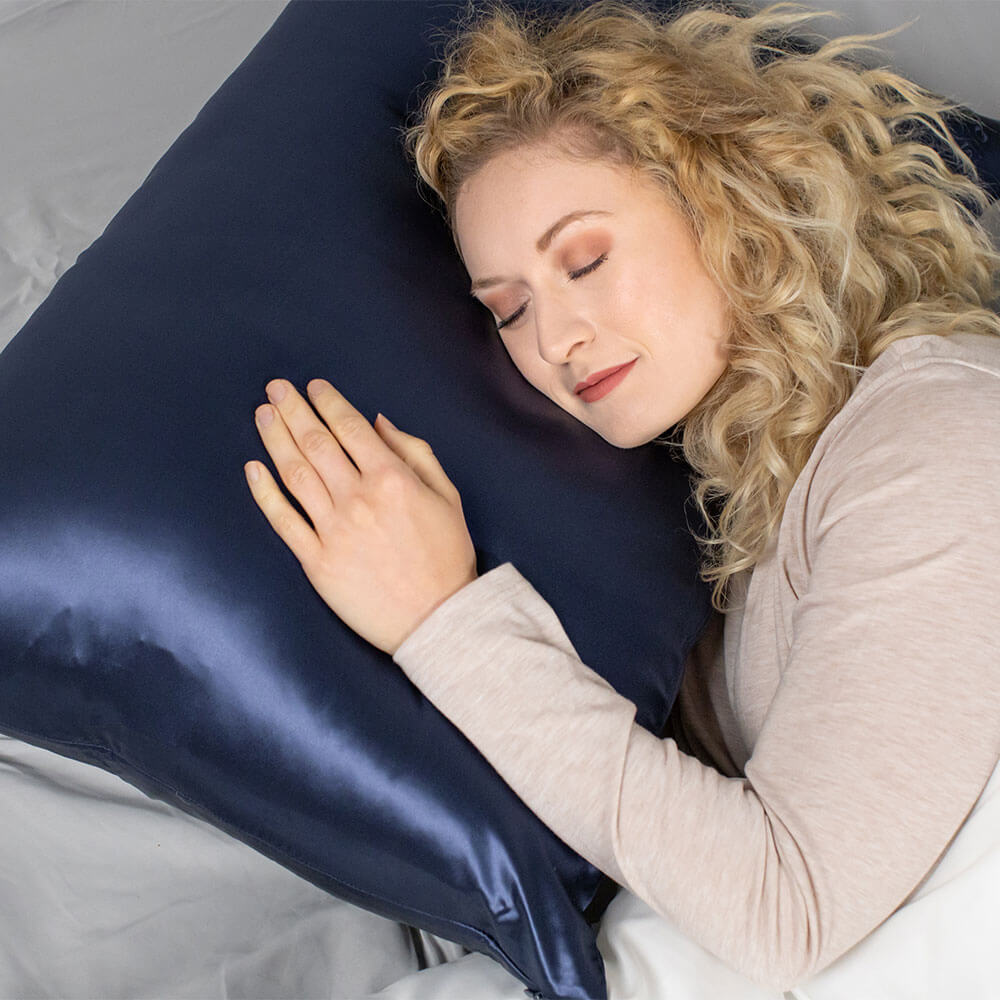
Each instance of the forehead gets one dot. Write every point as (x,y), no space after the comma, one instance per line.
(521,192)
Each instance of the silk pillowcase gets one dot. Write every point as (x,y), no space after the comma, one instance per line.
(152,623)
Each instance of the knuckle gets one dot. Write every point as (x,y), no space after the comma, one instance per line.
(298,475)
(395,480)
(351,425)
(361,513)
(284,525)
(315,441)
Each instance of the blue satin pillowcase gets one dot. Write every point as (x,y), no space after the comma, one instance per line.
(152,623)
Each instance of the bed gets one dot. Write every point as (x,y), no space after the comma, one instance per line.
(107,892)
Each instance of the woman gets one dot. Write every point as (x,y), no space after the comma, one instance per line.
(786,281)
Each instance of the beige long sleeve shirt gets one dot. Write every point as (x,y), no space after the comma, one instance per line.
(839,724)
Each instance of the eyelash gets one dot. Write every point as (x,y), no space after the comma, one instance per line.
(573,275)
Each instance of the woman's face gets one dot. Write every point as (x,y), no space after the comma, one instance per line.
(575,295)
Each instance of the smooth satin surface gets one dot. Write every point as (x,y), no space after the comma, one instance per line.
(152,623)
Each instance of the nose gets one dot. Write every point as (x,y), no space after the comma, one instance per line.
(560,328)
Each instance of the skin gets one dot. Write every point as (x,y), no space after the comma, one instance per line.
(386,541)
(651,298)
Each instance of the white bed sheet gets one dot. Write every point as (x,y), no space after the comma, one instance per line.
(106,893)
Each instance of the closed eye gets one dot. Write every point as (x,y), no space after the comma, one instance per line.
(573,275)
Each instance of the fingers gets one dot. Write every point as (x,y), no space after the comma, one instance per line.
(419,456)
(286,521)
(352,431)
(296,470)
(321,460)
(313,439)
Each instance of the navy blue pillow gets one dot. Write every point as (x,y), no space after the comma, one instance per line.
(151,622)
(979,137)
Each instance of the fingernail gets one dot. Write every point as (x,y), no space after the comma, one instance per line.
(316,386)
(253,473)
(265,415)
(276,391)
(386,420)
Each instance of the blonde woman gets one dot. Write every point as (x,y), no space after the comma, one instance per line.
(688,234)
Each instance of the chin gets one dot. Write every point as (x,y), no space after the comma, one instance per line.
(626,439)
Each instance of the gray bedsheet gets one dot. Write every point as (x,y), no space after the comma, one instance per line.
(105,893)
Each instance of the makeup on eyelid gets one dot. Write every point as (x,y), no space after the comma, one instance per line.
(573,276)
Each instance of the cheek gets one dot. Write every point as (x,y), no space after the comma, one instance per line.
(517,351)
(635,292)
(534,370)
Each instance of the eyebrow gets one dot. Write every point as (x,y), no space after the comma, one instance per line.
(544,241)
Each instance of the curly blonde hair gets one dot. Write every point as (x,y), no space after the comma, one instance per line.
(817,203)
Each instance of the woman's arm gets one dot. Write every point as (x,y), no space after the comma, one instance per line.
(879,739)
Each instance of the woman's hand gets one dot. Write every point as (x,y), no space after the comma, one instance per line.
(388,541)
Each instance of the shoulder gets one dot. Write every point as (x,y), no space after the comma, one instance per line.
(917,441)
(932,368)
(931,397)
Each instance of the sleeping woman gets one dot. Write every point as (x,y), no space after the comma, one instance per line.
(691,231)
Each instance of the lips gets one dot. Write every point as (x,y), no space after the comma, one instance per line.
(599,376)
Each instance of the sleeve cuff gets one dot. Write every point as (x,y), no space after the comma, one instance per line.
(444,632)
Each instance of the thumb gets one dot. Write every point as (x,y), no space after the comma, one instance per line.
(418,455)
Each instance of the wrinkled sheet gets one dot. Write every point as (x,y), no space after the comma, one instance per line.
(106,893)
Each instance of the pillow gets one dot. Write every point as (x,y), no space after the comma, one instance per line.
(153,624)
(979,138)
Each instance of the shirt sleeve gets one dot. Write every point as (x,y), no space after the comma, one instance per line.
(882,733)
